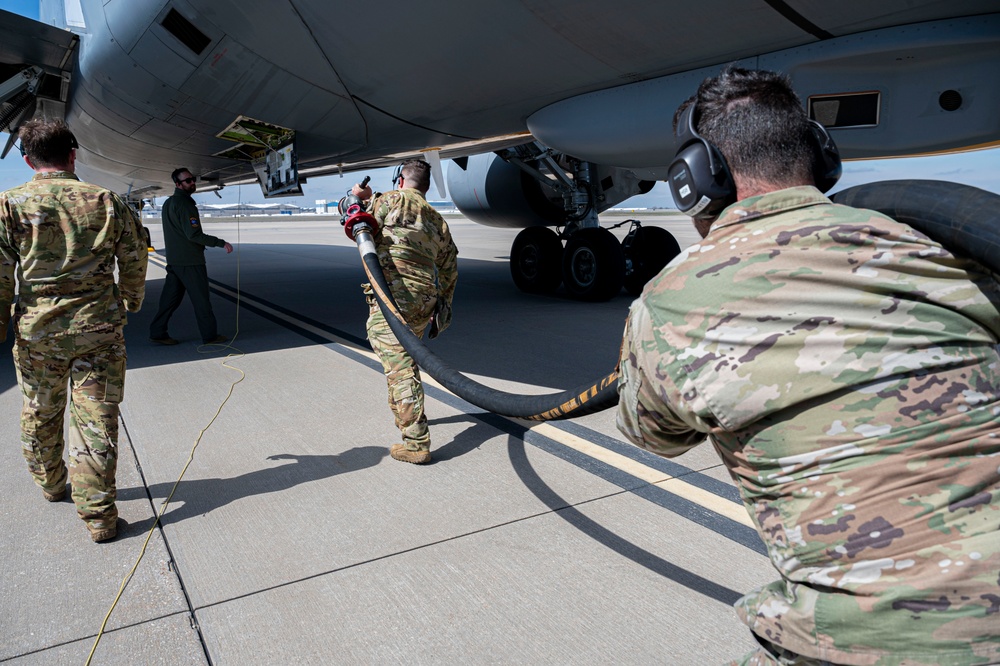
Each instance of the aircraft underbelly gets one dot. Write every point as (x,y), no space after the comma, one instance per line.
(167,104)
(157,81)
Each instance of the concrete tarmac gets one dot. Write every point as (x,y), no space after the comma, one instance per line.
(293,538)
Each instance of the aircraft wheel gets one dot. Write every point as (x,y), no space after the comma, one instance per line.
(647,251)
(593,264)
(535,260)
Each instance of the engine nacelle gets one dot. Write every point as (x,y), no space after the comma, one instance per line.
(496,193)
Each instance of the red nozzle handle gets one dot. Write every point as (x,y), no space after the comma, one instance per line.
(357,215)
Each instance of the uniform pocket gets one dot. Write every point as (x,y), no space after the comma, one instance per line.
(99,372)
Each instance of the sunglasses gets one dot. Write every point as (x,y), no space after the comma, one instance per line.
(185,181)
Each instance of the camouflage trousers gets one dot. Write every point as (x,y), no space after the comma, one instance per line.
(406,393)
(92,365)
(769,654)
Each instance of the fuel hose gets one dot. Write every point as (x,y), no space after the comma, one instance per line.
(965,219)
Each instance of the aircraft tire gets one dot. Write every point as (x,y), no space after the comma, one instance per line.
(536,260)
(593,265)
(647,250)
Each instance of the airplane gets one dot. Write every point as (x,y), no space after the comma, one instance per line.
(552,111)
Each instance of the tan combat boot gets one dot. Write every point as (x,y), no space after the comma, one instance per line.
(98,535)
(400,452)
(55,496)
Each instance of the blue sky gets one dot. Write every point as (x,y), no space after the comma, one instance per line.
(980,168)
(27,8)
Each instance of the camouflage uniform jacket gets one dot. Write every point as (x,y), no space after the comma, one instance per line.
(416,252)
(845,368)
(182,235)
(65,238)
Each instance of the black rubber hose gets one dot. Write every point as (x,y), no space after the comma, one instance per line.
(964,219)
(580,401)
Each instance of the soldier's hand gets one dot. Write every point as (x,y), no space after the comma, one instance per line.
(440,320)
(363,193)
(229,248)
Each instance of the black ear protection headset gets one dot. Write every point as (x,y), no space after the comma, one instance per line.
(699,177)
(396,175)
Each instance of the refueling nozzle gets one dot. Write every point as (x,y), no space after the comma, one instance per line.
(353,215)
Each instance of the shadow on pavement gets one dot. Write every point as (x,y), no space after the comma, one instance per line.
(200,496)
(497,330)
(594,530)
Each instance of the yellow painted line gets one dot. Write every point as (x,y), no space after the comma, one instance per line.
(672,484)
(735,512)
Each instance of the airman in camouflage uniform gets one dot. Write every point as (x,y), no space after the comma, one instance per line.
(66,238)
(420,263)
(845,367)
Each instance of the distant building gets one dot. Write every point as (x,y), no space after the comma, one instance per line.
(322,207)
(239,210)
(248,209)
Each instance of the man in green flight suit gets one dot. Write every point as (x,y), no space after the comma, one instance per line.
(845,368)
(186,271)
(66,239)
(419,260)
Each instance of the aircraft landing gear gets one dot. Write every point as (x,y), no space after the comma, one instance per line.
(593,264)
(536,259)
(647,251)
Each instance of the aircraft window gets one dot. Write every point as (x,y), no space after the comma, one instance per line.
(184,30)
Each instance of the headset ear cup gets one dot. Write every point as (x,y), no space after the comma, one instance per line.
(699,177)
(700,182)
(826,167)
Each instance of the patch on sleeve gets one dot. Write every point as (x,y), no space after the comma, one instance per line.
(194,221)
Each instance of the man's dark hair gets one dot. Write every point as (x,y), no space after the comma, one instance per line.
(47,143)
(758,123)
(418,172)
(176,173)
